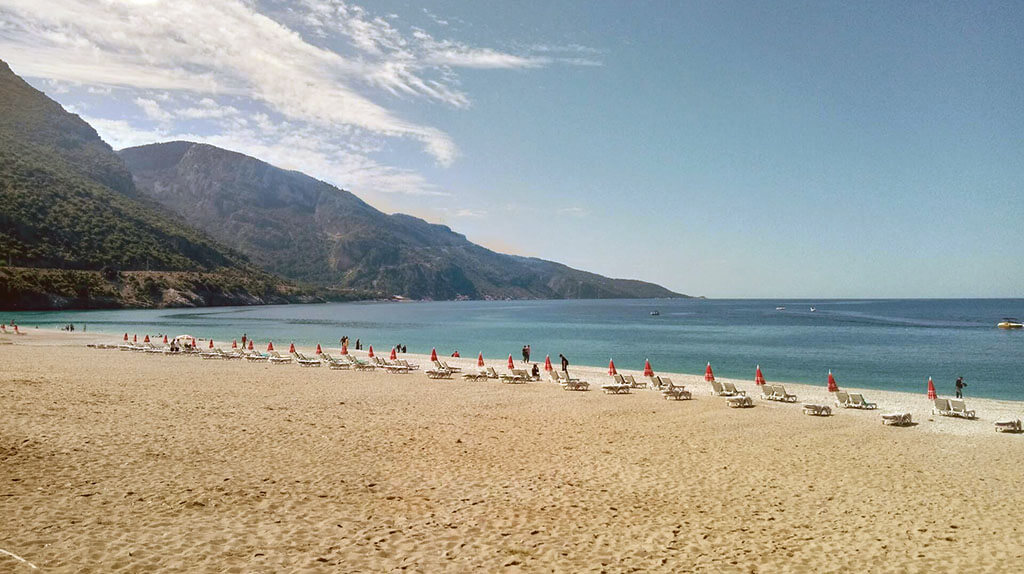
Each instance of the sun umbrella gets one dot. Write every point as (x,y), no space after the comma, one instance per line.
(832,386)
(648,371)
(393,354)
(547,362)
(165,339)
(709,375)
(611,367)
(511,365)
(433,354)
(234,343)
(250,344)
(758,377)
(270,346)
(931,389)
(126,337)
(146,340)
(135,338)
(291,348)
(319,351)
(211,343)
(480,359)
(369,353)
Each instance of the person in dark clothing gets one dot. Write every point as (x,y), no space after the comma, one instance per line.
(565,362)
(245,337)
(526,355)
(960,384)
(359,345)
(535,372)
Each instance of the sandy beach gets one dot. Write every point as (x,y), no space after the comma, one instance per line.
(115,461)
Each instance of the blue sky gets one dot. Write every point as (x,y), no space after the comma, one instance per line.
(723,149)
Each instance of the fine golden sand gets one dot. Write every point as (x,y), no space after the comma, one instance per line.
(114,461)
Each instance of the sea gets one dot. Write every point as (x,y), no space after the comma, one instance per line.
(874,344)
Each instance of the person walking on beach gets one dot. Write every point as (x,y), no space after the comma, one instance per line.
(565,362)
(526,355)
(359,345)
(245,337)
(960,384)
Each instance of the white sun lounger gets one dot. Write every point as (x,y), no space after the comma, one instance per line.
(857,401)
(740,402)
(817,410)
(897,419)
(1010,425)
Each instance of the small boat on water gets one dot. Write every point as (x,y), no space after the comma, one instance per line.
(780,308)
(655,313)
(1010,323)
(813,309)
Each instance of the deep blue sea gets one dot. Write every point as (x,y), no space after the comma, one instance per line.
(882,344)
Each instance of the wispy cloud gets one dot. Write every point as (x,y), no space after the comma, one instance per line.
(259,77)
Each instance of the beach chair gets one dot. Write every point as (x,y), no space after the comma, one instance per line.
(617,387)
(843,399)
(305,361)
(575,385)
(654,382)
(564,375)
(740,402)
(897,419)
(480,375)
(335,364)
(255,356)
(730,389)
(445,365)
(817,410)
(677,392)
(492,374)
(717,389)
(359,364)
(411,366)
(857,401)
(779,394)
(941,407)
(212,354)
(235,354)
(275,358)
(438,373)
(553,375)
(1008,425)
(959,409)
(515,376)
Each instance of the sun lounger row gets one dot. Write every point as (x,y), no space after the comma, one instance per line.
(673,391)
(817,410)
(897,419)
(741,401)
(720,389)
(1008,425)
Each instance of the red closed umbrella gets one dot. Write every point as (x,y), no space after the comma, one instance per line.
(165,339)
(369,353)
(611,367)
(270,346)
(234,343)
(547,363)
(211,343)
(709,375)
(135,338)
(832,386)
(194,344)
(393,354)
(319,351)
(480,359)
(250,344)
(433,354)
(648,371)
(511,365)
(931,389)
(758,377)
(344,349)
(291,348)
(126,337)
(146,340)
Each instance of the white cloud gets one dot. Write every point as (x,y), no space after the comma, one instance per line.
(304,85)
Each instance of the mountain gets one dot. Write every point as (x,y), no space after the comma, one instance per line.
(71,221)
(308,230)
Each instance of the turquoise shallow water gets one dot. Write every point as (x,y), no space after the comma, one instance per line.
(883,344)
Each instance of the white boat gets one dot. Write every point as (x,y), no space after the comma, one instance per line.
(780,308)
(655,313)
(813,309)
(1010,323)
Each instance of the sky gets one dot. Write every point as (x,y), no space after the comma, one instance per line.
(725,149)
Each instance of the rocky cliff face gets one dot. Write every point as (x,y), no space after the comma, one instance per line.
(308,230)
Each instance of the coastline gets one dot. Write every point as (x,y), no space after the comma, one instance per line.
(920,407)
